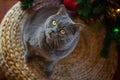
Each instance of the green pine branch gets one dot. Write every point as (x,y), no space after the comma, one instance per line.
(26,4)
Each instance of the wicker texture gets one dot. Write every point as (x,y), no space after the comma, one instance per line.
(85,63)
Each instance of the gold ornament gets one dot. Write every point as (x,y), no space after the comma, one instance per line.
(118,11)
(112,12)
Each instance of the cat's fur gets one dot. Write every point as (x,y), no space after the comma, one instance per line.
(40,38)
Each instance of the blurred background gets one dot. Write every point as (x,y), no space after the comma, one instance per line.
(5,5)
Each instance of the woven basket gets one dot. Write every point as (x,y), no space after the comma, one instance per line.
(85,63)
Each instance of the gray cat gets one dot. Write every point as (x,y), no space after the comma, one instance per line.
(51,34)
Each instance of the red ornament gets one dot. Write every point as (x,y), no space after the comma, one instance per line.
(70,5)
(92,19)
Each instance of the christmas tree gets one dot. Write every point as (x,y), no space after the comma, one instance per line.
(105,12)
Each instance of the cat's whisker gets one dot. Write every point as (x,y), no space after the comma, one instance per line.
(70,38)
(67,38)
(54,44)
(59,41)
(57,44)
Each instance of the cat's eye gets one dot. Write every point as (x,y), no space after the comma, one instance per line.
(54,23)
(62,31)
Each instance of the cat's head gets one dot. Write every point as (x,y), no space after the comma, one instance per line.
(60,29)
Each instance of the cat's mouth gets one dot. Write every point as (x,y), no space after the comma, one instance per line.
(53,36)
(50,35)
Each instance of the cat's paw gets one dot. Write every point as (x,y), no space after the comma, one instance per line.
(27,58)
(49,73)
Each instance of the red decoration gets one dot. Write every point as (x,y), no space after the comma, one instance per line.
(92,19)
(70,5)
(20,0)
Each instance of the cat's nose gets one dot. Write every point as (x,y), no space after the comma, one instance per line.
(50,34)
(53,34)
(53,31)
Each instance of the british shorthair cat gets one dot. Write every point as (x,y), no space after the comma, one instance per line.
(50,33)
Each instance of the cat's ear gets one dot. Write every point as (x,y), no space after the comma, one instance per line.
(77,27)
(62,11)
